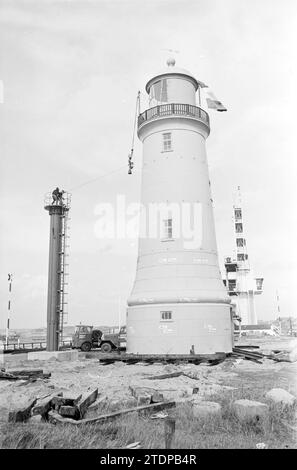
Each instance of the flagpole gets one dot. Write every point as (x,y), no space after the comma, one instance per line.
(119,311)
(9,304)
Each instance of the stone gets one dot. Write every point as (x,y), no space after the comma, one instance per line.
(157,397)
(293,355)
(139,391)
(204,409)
(279,395)
(249,410)
(123,404)
(191,391)
(37,419)
(143,400)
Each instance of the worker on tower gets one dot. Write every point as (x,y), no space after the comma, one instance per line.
(56,195)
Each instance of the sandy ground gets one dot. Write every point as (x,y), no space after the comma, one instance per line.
(114,381)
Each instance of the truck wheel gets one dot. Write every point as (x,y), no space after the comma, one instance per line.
(106,347)
(86,347)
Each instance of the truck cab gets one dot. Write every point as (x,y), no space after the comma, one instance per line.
(87,337)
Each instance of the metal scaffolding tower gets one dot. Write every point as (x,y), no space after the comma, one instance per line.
(58,208)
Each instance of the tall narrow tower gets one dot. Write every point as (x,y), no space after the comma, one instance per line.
(58,206)
(178,303)
(239,276)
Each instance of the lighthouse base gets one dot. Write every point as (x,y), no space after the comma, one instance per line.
(184,328)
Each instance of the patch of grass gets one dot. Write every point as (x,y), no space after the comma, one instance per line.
(191,432)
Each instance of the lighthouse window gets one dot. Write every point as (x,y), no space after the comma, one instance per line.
(167,142)
(238,227)
(240,257)
(239,241)
(237,213)
(159,91)
(168,228)
(166,315)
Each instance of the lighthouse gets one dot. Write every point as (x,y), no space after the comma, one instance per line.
(178,303)
(241,284)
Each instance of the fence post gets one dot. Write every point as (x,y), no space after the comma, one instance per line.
(169,432)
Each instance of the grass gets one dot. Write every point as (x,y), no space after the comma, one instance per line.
(191,432)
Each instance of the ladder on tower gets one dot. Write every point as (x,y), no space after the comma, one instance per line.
(62,289)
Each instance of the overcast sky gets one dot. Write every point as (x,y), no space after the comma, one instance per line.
(71,71)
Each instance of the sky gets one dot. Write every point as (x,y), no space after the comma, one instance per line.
(70,73)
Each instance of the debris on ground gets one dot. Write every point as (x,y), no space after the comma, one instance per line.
(24,374)
(56,418)
(279,395)
(160,415)
(261,445)
(22,414)
(133,445)
(165,376)
(203,409)
(250,411)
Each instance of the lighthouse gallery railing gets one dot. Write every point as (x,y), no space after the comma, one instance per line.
(177,109)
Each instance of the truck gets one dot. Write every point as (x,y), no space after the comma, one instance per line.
(87,337)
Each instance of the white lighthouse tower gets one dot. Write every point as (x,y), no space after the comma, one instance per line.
(178,304)
(240,280)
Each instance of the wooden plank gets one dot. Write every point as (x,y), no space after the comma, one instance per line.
(58,401)
(6,376)
(170,375)
(126,357)
(169,431)
(44,405)
(86,401)
(55,418)
(21,414)
(15,376)
(69,412)
(26,372)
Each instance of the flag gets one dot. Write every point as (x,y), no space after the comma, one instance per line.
(213,102)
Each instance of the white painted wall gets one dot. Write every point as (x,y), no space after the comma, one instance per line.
(171,276)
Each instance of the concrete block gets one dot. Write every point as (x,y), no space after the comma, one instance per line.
(204,409)
(123,404)
(36,419)
(53,355)
(279,395)
(249,410)
(293,355)
(143,400)
(157,397)
(139,391)
(192,391)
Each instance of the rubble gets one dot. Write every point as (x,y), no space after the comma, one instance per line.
(204,409)
(28,375)
(279,395)
(144,400)
(249,410)
(56,418)
(21,414)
